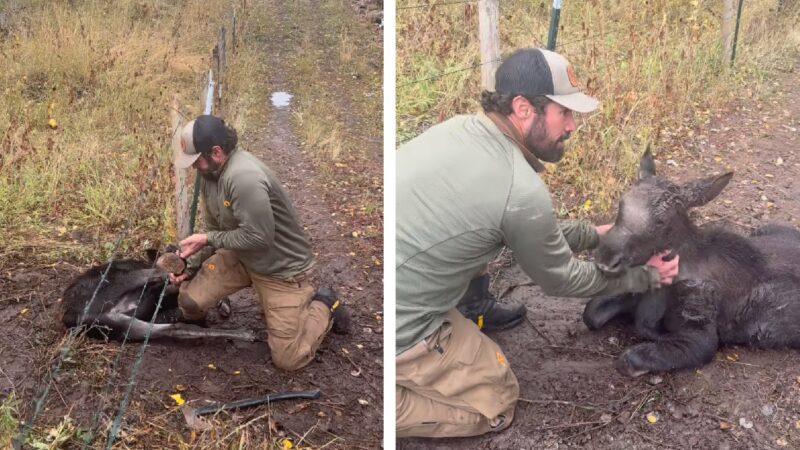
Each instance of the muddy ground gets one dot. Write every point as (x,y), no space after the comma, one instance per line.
(745,399)
(348,369)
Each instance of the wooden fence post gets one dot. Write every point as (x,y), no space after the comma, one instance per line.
(728,20)
(182,186)
(489,29)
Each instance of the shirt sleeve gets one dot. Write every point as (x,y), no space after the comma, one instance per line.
(250,204)
(580,235)
(530,229)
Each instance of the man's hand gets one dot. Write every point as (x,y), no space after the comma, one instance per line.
(177,280)
(192,245)
(603,229)
(668,270)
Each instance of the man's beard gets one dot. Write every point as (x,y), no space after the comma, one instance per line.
(211,172)
(543,146)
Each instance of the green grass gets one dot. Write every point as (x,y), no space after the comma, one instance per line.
(656,67)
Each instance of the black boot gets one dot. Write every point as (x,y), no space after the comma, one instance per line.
(340,315)
(480,306)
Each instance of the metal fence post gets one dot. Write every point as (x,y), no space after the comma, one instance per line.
(554,18)
(736,32)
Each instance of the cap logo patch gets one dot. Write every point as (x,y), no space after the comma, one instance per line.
(573,80)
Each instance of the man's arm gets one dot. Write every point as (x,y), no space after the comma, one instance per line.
(531,231)
(580,235)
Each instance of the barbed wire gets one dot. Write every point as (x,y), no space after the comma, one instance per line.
(422,5)
(118,358)
(123,406)
(444,74)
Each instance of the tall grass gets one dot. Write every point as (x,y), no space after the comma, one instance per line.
(84,121)
(657,67)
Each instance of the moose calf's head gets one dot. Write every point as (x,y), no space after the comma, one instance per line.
(653,216)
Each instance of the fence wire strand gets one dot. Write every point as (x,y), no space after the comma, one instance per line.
(421,5)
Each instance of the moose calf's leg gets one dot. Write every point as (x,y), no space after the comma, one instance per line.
(691,340)
(599,311)
(649,312)
(137,329)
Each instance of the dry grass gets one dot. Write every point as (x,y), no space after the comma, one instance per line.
(104,75)
(657,69)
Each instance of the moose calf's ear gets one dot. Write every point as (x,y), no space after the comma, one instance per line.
(152,254)
(647,165)
(700,192)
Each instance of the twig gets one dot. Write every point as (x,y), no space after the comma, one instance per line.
(13,387)
(306,434)
(568,425)
(648,438)
(550,344)
(581,349)
(508,290)
(336,438)
(363,374)
(565,402)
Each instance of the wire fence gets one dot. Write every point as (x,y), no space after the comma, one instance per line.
(593,37)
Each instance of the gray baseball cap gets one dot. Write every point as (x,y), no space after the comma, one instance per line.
(536,71)
(198,137)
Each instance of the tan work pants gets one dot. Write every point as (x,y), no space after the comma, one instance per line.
(456,382)
(295,324)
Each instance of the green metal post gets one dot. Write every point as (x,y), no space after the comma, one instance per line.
(209,109)
(554,17)
(736,31)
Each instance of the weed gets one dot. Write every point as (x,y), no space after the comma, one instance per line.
(9,424)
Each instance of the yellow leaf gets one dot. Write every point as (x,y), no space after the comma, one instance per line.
(587,205)
(286,444)
(733,358)
(237,372)
(797,424)
(52,123)
(178,399)
(24,311)
(212,367)
(652,418)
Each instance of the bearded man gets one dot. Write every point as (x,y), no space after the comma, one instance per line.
(466,188)
(253,237)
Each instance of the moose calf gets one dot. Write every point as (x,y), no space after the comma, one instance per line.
(123,303)
(731,289)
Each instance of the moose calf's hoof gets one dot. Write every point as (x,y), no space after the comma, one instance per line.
(171,263)
(630,363)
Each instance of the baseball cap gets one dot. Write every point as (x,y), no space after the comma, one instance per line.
(198,137)
(536,71)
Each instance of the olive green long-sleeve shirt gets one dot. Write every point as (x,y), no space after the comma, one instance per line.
(248,211)
(464,190)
